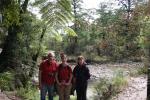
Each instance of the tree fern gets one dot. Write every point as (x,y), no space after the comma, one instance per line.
(55,13)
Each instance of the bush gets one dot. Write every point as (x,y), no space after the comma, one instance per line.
(103,89)
(28,93)
(138,71)
(6,81)
(32,93)
(119,80)
(142,70)
(108,88)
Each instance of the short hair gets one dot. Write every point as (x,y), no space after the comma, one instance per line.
(50,54)
(80,58)
(62,55)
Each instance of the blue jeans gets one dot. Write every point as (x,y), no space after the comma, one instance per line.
(47,88)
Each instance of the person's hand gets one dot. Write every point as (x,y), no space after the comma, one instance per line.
(40,86)
(51,74)
(68,83)
(63,82)
(59,84)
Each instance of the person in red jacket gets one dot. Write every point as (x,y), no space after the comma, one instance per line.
(47,72)
(63,79)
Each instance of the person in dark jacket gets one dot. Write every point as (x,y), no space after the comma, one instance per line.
(81,74)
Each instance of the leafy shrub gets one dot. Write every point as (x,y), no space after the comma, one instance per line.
(6,81)
(139,71)
(142,70)
(28,93)
(32,93)
(107,88)
(103,89)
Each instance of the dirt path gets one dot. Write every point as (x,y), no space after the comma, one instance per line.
(3,96)
(8,96)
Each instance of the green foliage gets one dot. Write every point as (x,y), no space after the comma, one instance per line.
(55,14)
(29,93)
(108,88)
(145,32)
(142,70)
(6,81)
(57,37)
(119,80)
(11,14)
(70,32)
(103,89)
(33,93)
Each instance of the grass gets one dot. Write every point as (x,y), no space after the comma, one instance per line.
(30,93)
(139,71)
(33,93)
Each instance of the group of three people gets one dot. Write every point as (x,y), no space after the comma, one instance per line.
(50,73)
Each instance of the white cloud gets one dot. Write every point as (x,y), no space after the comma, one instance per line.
(95,3)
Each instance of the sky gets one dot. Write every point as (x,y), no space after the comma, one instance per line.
(91,3)
(94,3)
(88,4)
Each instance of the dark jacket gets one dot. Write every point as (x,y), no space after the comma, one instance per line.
(81,74)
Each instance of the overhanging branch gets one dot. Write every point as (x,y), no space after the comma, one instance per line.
(24,5)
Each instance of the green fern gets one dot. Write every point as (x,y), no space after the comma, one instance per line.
(55,13)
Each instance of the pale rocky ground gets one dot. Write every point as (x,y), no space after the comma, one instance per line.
(137,86)
(3,96)
(136,90)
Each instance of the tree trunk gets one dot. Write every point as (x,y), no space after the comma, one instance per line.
(35,57)
(74,40)
(9,57)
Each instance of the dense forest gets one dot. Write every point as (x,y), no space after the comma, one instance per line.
(102,35)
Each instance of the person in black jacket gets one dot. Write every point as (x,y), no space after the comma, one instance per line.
(81,75)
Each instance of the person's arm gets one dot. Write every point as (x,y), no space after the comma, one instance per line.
(88,73)
(70,79)
(71,76)
(56,77)
(74,75)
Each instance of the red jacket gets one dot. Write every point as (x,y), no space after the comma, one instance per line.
(48,71)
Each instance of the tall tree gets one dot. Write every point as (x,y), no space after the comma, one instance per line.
(10,52)
(76,6)
(17,22)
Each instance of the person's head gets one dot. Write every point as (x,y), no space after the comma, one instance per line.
(80,60)
(63,58)
(50,57)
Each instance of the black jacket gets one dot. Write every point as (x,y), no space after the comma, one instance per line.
(81,74)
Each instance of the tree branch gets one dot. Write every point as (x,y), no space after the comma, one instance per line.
(24,5)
